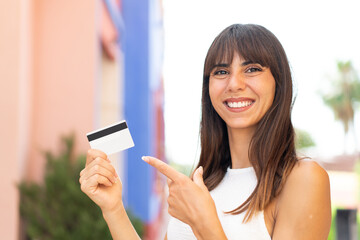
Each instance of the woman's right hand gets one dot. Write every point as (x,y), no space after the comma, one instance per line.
(100,181)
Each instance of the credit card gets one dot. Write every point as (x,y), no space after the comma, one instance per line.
(111,139)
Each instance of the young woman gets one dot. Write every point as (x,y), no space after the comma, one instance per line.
(249,183)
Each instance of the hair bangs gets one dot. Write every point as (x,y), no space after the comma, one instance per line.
(220,52)
(250,45)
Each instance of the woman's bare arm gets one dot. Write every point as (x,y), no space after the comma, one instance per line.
(304,208)
(101,183)
(120,225)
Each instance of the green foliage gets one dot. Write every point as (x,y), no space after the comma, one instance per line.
(332,233)
(358,223)
(136,222)
(357,171)
(58,209)
(345,94)
(303,139)
(183,168)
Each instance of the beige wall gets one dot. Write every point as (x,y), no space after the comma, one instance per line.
(48,71)
(111,105)
(9,124)
(65,57)
(344,189)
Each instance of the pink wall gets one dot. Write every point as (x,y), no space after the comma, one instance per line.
(65,57)
(48,70)
(9,101)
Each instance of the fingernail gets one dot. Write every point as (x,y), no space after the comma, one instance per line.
(146,159)
(201,170)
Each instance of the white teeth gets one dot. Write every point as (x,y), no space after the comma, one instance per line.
(239,104)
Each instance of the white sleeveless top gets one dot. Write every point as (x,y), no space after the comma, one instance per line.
(232,191)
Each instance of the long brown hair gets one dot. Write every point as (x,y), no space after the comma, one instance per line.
(272,150)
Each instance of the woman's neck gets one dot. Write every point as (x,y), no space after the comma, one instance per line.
(239,141)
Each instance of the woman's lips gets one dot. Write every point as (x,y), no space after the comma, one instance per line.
(238,104)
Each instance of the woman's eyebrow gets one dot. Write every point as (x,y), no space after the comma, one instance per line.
(228,65)
(247,63)
(221,65)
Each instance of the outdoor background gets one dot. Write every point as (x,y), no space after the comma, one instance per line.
(69,67)
(315,35)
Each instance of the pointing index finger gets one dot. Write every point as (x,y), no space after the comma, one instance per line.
(164,168)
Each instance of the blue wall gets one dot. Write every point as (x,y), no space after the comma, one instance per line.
(139,26)
(138,109)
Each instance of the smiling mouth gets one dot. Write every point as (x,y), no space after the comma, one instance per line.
(239,104)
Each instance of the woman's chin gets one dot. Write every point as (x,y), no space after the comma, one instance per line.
(239,126)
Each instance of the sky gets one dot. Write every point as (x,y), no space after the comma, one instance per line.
(314,34)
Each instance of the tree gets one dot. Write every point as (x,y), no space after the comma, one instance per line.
(344,96)
(303,139)
(58,209)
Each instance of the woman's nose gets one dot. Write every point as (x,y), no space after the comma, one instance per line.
(236,82)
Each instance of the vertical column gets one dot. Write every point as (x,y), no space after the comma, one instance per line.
(15,23)
(112,102)
(138,105)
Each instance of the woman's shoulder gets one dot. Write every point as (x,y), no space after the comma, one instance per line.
(304,182)
(307,177)
(306,173)
(305,196)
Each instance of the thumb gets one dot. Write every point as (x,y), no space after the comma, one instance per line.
(198,177)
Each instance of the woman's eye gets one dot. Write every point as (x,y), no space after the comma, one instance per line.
(253,69)
(220,72)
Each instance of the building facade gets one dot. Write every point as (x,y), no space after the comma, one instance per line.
(71,67)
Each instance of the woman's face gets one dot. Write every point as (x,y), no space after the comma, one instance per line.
(241,92)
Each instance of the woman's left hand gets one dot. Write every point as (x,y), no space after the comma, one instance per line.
(189,200)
